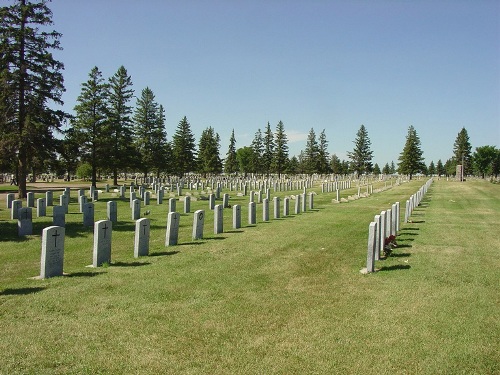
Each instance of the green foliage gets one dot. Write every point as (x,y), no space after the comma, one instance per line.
(440,170)
(90,123)
(386,170)
(432,169)
(361,156)
(410,159)
(280,157)
(484,158)
(268,152)
(84,171)
(310,156)
(323,155)
(31,81)
(462,151)
(376,169)
(256,164)
(336,165)
(209,161)
(245,156)
(231,163)
(183,149)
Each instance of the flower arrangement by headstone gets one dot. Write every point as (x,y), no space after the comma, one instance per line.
(389,244)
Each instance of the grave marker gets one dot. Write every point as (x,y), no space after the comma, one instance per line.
(25,221)
(198,221)
(112,211)
(252,216)
(172,235)
(141,239)
(40,207)
(59,216)
(136,209)
(236,216)
(10,199)
(102,243)
(265,209)
(172,203)
(14,210)
(218,219)
(49,197)
(52,257)
(276,201)
(187,204)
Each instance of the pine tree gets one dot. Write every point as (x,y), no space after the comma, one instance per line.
(69,150)
(376,169)
(183,149)
(209,161)
(90,121)
(31,79)
(361,156)
(335,165)
(440,168)
(292,166)
(323,155)
(231,163)
(280,157)
(122,152)
(386,170)
(160,145)
(462,151)
(410,159)
(311,152)
(256,163)
(432,168)
(392,170)
(268,152)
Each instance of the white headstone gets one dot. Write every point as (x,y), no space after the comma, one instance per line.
(172,235)
(198,221)
(276,201)
(102,243)
(49,197)
(112,211)
(136,209)
(25,221)
(59,216)
(141,240)
(41,207)
(265,209)
(252,215)
(14,210)
(88,214)
(236,216)
(52,259)
(187,204)
(218,219)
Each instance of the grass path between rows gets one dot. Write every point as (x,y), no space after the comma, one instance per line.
(280,297)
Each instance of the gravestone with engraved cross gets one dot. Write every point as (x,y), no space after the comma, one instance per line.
(141,240)
(198,221)
(52,259)
(236,216)
(88,214)
(218,219)
(102,243)
(172,235)
(14,210)
(112,211)
(41,207)
(25,221)
(187,204)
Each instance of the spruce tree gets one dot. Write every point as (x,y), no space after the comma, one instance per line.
(432,168)
(183,149)
(323,155)
(256,163)
(462,151)
(231,163)
(280,157)
(361,156)
(30,79)
(160,145)
(335,165)
(90,121)
(122,152)
(410,159)
(311,152)
(209,161)
(440,168)
(376,169)
(386,170)
(268,152)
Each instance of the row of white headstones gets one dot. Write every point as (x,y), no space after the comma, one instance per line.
(388,224)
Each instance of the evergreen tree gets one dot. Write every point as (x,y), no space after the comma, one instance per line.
(184,149)
(376,169)
(361,156)
(410,159)
(386,170)
(69,151)
(495,167)
(209,161)
(160,145)
(268,153)
(122,153)
(440,168)
(335,165)
(292,166)
(90,122)
(450,167)
(311,153)
(432,168)
(231,163)
(323,155)
(256,163)
(393,168)
(280,158)
(30,79)
(462,151)
(345,167)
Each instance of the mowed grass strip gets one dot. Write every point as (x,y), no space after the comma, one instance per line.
(283,297)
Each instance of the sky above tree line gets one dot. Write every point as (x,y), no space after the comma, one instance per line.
(330,65)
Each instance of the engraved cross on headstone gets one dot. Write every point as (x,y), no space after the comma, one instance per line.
(105,227)
(55,238)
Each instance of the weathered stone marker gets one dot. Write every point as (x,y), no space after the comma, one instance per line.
(211,201)
(236,216)
(59,216)
(10,199)
(172,235)
(15,207)
(41,209)
(218,219)
(276,201)
(172,205)
(112,211)
(198,221)
(25,221)
(187,204)
(52,258)
(252,215)
(141,239)
(370,256)
(49,197)
(88,214)
(265,209)
(286,207)
(102,243)
(136,209)
(30,199)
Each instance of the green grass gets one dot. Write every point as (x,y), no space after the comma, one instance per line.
(283,297)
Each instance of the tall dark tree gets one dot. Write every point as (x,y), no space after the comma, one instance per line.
(231,163)
(361,156)
(244,157)
(209,161)
(122,152)
(376,169)
(69,151)
(31,81)
(410,159)
(256,163)
(280,157)
(440,168)
(160,145)
(462,151)
(432,168)
(335,164)
(90,121)
(183,149)
(311,153)
(386,170)
(392,170)
(323,155)
(293,166)
(268,153)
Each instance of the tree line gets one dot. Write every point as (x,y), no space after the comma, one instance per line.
(108,134)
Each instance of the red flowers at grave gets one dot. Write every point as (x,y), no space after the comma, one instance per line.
(389,244)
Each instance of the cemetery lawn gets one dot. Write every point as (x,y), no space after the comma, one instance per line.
(280,297)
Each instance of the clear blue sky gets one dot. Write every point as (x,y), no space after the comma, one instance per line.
(330,65)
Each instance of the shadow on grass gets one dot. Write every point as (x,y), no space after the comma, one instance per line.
(418,221)
(234,231)
(8,232)
(395,267)
(130,264)
(409,229)
(199,242)
(162,253)
(21,291)
(405,245)
(83,274)
(400,255)
(215,238)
